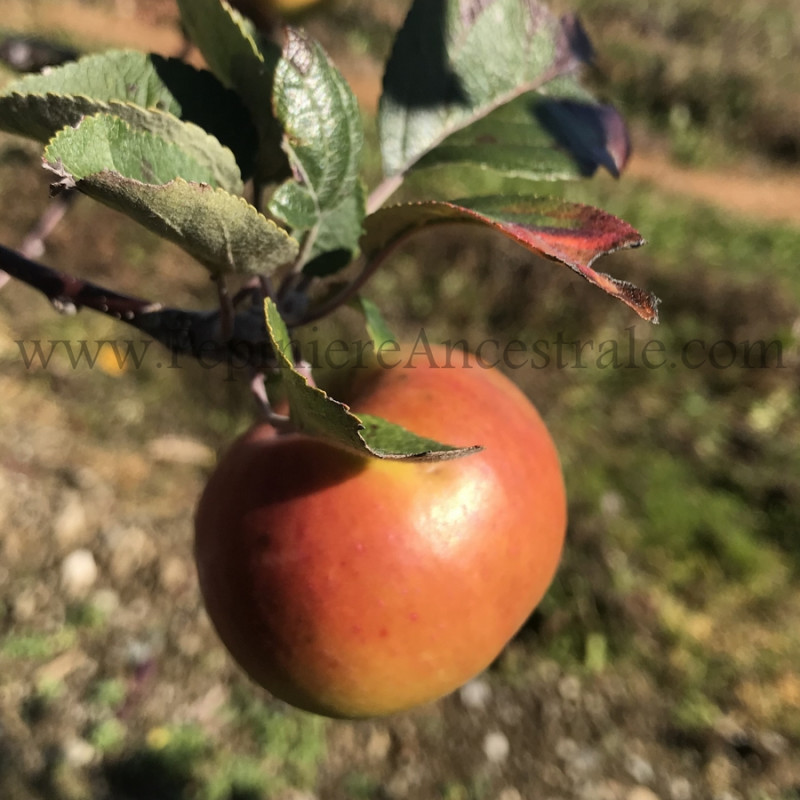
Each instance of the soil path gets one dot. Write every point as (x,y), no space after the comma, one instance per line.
(751,190)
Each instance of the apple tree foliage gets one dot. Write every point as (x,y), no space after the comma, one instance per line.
(254,167)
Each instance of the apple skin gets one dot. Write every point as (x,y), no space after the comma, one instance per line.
(352,586)
(264,13)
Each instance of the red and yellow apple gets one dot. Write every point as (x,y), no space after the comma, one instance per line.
(265,13)
(352,586)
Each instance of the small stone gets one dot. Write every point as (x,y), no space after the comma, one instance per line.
(69,526)
(680,789)
(510,713)
(641,793)
(405,781)
(174,574)
(772,743)
(106,601)
(496,747)
(566,749)
(78,753)
(296,794)
(190,644)
(595,706)
(612,504)
(61,667)
(639,768)
(730,730)
(181,450)
(602,790)
(509,793)
(131,550)
(78,573)
(476,694)
(139,653)
(135,613)
(206,710)
(25,605)
(569,687)
(585,762)
(379,744)
(721,773)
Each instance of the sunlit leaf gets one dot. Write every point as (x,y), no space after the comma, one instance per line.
(244,61)
(560,134)
(148,91)
(377,329)
(457,64)
(160,186)
(313,412)
(323,139)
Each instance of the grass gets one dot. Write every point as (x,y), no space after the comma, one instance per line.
(35,645)
(717,73)
(292,743)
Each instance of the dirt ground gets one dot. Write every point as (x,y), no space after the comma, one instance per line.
(112,683)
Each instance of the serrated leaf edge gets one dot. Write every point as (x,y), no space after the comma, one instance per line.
(110,108)
(428,455)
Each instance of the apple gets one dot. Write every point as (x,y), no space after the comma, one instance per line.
(264,13)
(352,586)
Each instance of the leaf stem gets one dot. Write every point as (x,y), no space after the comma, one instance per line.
(352,288)
(383,191)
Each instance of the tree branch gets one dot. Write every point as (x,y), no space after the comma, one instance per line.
(196,333)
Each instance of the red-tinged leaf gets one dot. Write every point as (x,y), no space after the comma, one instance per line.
(570,233)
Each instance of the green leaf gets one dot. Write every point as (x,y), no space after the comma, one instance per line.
(160,186)
(570,233)
(559,135)
(377,329)
(106,142)
(313,412)
(323,138)
(337,235)
(457,63)
(245,62)
(129,84)
(196,155)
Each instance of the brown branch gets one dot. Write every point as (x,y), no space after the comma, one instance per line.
(196,333)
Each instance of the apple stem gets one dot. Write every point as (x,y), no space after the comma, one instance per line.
(280,422)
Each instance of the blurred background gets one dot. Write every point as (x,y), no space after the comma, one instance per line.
(664,662)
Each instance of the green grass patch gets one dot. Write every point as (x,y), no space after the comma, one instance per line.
(36,645)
